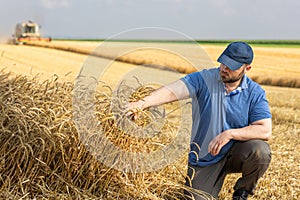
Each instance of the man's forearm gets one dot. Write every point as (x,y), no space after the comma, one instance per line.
(158,97)
(172,92)
(261,129)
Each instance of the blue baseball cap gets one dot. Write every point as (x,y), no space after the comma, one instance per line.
(236,54)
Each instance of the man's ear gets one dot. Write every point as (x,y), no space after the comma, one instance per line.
(247,68)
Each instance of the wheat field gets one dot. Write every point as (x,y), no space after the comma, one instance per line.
(272,66)
(42,156)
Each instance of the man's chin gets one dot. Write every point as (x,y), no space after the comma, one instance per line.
(228,80)
(224,79)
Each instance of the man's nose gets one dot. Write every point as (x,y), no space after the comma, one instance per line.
(224,68)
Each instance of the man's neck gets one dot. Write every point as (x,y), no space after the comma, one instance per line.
(232,86)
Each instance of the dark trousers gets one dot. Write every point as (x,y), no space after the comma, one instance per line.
(251,158)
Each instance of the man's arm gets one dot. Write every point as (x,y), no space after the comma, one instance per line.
(261,129)
(169,93)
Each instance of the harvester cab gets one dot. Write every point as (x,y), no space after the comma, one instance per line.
(28,31)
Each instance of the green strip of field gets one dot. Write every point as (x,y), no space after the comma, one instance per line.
(271,43)
(267,43)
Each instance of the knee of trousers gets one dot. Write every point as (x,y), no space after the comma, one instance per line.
(258,151)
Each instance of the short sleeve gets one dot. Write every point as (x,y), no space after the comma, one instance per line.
(259,108)
(194,83)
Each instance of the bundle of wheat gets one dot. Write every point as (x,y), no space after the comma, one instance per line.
(42,154)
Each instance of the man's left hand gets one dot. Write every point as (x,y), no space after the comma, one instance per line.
(218,142)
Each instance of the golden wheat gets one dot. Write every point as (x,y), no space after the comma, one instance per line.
(42,155)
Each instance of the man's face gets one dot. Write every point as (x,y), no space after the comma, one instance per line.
(231,76)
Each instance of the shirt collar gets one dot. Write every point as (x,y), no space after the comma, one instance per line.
(244,84)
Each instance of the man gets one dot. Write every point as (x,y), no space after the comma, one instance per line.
(231,122)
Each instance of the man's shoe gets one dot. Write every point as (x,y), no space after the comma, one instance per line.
(240,194)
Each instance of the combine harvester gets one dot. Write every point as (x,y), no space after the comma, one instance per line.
(27,32)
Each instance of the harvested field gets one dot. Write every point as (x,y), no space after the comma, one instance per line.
(41,155)
(277,66)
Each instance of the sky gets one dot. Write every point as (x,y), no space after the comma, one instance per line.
(156,19)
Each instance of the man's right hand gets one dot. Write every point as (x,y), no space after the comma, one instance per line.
(169,93)
(133,108)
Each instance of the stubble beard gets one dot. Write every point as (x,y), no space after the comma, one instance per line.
(233,79)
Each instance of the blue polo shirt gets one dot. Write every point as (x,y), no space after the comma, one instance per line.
(214,111)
